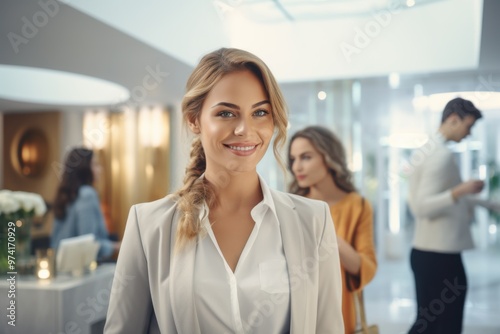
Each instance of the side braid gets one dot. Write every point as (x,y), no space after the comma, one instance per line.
(192,195)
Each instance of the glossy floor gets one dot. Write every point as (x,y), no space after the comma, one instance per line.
(390,297)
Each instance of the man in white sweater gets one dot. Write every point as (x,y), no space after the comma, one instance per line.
(443,208)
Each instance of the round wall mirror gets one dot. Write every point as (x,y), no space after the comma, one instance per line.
(31,153)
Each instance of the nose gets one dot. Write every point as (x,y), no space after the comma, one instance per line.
(242,127)
(296,166)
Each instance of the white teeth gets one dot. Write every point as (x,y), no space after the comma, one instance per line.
(241,148)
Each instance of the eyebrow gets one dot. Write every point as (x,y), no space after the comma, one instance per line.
(301,154)
(234,106)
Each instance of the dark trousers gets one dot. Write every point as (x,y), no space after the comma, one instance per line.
(441,286)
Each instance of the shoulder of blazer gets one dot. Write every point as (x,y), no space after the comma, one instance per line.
(152,215)
(310,212)
(293,200)
(296,201)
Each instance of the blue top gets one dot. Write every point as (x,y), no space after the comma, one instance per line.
(83,216)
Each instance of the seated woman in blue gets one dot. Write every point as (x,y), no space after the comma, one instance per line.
(76,206)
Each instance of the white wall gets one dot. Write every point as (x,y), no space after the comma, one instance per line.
(71,131)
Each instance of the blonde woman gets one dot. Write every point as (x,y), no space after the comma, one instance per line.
(227,254)
(318,162)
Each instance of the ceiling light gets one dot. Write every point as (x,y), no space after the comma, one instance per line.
(483,100)
(394,80)
(405,140)
(410,3)
(46,86)
(321,95)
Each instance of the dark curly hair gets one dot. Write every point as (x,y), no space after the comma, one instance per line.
(77,172)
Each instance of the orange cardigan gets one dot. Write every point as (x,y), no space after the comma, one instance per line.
(353,222)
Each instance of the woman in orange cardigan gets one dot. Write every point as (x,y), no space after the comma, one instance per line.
(318,162)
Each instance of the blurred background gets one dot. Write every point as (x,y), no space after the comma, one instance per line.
(110,75)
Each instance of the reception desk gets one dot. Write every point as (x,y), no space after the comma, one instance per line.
(65,305)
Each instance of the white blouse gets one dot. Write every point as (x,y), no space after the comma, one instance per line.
(256,297)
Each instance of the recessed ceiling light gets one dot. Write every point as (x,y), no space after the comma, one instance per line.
(394,80)
(46,86)
(321,95)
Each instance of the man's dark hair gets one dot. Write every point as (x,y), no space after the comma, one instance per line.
(462,108)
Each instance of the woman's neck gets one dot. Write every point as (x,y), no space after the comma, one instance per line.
(235,190)
(327,191)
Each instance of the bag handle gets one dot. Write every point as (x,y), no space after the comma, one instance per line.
(358,296)
(361,307)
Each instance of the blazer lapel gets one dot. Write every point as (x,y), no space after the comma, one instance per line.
(293,244)
(181,290)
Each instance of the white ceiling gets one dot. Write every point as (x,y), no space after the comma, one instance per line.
(280,11)
(310,40)
(117,40)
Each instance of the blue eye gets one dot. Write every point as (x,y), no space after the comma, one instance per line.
(261,113)
(225,114)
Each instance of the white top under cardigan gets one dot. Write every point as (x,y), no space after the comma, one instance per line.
(441,224)
(256,297)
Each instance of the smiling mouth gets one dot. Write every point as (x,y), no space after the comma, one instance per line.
(241,148)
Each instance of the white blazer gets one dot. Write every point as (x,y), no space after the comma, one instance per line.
(152,288)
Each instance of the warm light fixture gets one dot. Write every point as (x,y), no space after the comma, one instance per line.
(45,268)
(29,152)
(95,129)
(151,126)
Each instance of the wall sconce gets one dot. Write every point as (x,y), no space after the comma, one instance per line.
(45,265)
(151,126)
(96,129)
(29,153)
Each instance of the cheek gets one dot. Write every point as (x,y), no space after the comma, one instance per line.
(266,132)
(209,127)
(320,168)
(209,132)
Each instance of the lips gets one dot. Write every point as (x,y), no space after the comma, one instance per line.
(241,149)
(301,177)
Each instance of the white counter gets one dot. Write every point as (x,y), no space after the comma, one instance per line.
(66,304)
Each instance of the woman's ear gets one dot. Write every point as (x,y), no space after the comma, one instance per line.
(194,126)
